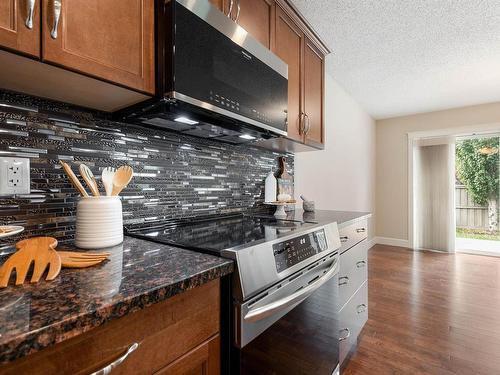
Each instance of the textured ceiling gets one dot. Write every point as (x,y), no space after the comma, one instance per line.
(408,56)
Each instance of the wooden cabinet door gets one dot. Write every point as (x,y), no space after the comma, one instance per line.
(202,360)
(107,39)
(313,93)
(288,47)
(256,17)
(219,4)
(15,31)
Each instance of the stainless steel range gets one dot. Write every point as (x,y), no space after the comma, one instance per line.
(284,291)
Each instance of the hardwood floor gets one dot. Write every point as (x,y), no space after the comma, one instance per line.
(430,313)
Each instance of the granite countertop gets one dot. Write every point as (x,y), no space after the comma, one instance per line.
(342,218)
(138,274)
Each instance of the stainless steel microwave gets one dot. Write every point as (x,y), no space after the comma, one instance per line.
(213,79)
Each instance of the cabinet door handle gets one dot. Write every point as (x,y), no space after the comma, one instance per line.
(344,239)
(57,16)
(361,230)
(107,369)
(307,125)
(230,9)
(361,308)
(361,263)
(347,334)
(301,123)
(344,282)
(238,12)
(30,4)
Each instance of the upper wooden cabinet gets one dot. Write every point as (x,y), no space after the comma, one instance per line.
(288,47)
(256,17)
(293,44)
(219,4)
(107,39)
(313,93)
(20,26)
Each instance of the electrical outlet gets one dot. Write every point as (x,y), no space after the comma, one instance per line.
(14,176)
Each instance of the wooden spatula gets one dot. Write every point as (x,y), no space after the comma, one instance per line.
(74,180)
(122,177)
(39,251)
(89,179)
(73,259)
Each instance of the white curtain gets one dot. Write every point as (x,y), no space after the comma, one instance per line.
(434,195)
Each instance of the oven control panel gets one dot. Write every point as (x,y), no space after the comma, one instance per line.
(291,252)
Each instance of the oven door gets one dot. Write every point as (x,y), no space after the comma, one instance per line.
(291,328)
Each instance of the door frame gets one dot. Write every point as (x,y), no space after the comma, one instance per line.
(428,135)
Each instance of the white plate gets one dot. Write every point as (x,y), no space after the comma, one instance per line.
(14,229)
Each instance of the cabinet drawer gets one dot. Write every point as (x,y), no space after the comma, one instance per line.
(350,281)
(353,317)
(352,234)
(164,331)
(356,256)
(202,360)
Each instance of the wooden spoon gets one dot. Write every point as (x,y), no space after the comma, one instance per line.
(89,178)
(39,251)
(121,179)
(73,178)
(107,179)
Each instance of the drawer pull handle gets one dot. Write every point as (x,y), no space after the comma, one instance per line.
(361,308)
(57,16)
(230,11)
(343,282)
(344,239)
(347,334)
(361,264)
(107,369)
(29,18)
(361,230)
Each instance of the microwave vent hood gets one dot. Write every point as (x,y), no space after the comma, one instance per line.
(213,79)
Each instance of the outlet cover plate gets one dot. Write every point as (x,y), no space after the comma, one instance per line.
(14,176)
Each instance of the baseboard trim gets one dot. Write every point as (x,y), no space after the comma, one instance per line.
(389,241)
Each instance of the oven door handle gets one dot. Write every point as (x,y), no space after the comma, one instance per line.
(259,313)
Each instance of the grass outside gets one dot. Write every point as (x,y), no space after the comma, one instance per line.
(478,234)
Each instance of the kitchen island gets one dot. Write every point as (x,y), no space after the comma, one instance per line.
(138,277)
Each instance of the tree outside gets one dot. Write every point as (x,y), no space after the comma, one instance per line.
(477,163)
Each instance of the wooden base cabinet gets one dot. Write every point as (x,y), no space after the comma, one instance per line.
(179,336)
(203,360)
(20,26)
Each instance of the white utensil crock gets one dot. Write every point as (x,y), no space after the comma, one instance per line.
(99,222)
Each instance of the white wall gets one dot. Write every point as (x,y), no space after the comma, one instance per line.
(341,177)
(392,159)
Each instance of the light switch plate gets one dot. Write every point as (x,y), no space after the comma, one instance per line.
(14,176)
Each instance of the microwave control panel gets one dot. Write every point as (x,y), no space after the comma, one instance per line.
(291,252)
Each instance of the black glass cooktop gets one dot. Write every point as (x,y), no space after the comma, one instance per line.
(215,234)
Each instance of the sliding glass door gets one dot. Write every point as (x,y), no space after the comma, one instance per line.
(477,194)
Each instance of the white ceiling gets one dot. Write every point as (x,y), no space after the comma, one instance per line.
(398,57)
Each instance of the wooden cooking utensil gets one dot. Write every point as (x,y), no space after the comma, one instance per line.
(73,178)
(73,259)
(121,179)
(89,179)
(107,179)
(38,250)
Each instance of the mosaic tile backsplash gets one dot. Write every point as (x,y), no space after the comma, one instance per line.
(176,176)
